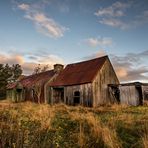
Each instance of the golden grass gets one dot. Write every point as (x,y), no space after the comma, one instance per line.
(41,125)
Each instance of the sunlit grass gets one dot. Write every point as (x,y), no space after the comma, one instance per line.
(41,125)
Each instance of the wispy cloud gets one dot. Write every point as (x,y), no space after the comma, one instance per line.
(113,22)
(130,67)
(100,41)
(116,16)
(117,9)
(29,62)
(11,59)
(44,24)
(111,15)
(24,7)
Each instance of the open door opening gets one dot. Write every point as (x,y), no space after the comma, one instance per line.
(76,98)
(114,93)
(140,96)
(58,95)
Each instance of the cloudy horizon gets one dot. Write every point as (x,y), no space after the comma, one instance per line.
(53,31)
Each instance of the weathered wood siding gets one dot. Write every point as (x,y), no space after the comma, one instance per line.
(145,92)
(11,95)
(48,91)
(129,95)
(104,77)
(85,90)
(15,96)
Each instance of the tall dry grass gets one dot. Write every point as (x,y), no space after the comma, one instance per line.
(41,125)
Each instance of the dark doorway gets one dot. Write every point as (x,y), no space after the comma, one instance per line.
(146,95)
(76,98)
(58,95)
(139,89)
(115,93)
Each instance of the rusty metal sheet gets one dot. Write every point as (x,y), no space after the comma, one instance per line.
(79,73)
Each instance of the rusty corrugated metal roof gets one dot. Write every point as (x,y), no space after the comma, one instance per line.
(11,85)
(79,73)
(31,80)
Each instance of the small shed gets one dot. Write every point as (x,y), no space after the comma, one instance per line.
(133,94)
(34,87)
(15,92)
(84,83)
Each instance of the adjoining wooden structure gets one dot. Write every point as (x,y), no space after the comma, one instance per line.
(84,83)
(134,93)
(34,87)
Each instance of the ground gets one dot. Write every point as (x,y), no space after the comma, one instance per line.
(39,125)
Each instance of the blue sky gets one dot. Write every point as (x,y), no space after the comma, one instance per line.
(55,31)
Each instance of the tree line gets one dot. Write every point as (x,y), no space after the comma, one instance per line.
(11,73)
(7,73)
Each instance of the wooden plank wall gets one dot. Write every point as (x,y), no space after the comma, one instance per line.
(85,94)
(14,96)
(104,77)
(129,95)
(144,91)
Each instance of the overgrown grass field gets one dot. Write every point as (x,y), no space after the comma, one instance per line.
(29,125)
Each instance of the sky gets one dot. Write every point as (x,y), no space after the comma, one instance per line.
(45,32)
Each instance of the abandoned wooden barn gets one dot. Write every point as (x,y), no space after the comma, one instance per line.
(89,83)
(84,83)
(134,93)
(34,87)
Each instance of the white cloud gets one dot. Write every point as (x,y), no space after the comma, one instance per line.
(28,67)
(131,67)
(116,16)
(115,10)
(99,41)
(24,6)
(47,59)
(43,23)
(121,72)
(114,23)
(112,15)
(11,59)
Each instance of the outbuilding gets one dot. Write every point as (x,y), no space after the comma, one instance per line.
(84,83)
(133,94)
(33,88)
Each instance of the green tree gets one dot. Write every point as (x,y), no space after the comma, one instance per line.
(17,71)
(8,72)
